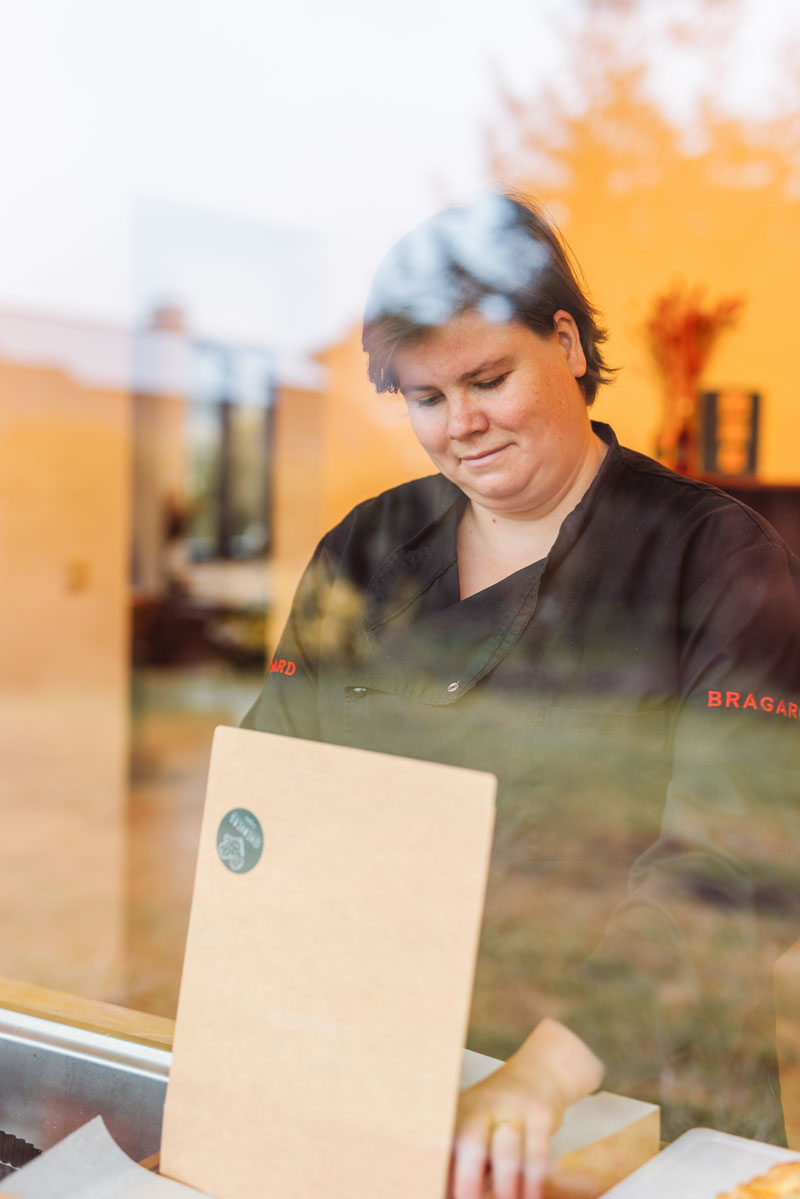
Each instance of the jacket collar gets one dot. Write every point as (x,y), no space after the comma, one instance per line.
(411,568)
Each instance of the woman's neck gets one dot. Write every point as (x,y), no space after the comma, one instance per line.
(493,545)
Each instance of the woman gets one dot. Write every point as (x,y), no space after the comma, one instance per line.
(566,614)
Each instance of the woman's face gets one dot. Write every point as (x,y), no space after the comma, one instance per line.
(499,410)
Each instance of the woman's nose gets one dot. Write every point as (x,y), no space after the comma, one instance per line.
(465,416)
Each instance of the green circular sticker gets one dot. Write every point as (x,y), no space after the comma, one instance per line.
(239,840)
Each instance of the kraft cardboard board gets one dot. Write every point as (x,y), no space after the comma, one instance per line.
(326,985)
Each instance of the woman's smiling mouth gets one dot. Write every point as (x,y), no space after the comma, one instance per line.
(484,458)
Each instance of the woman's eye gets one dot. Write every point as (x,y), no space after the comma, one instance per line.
(428,401)
(489,384)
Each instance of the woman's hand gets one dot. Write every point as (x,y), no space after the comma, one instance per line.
(504,1124)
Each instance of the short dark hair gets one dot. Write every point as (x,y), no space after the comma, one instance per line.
(499,254)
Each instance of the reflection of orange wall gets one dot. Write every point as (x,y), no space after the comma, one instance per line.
(296,495)
(64,498)
(333,449)
(368,441)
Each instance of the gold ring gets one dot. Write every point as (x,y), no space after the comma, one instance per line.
(515,1124)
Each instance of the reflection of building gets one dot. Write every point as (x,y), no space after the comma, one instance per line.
(140,465)
(201,444)
(64,519)
(103,435)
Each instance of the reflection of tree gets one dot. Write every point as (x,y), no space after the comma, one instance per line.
(649,201)
(609,124)
(609,135)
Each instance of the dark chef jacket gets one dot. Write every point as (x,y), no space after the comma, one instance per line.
(637,695)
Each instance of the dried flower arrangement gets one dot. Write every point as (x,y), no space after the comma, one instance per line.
(681,333)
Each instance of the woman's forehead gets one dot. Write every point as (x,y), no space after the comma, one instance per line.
(462,347)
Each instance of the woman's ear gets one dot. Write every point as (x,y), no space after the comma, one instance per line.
(567,333)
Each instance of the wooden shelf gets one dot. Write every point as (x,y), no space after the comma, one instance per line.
(91,1014)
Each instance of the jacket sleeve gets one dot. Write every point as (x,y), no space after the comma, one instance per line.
(680,988)
(288,703)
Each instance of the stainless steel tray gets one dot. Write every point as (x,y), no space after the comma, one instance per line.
(53,1078)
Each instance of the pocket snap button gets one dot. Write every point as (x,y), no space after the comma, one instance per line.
(359,691)
(453,687)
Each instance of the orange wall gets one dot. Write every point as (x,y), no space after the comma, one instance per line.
(747,243)
(642,213)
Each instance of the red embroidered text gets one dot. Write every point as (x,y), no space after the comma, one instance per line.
(282,666)
(766,703)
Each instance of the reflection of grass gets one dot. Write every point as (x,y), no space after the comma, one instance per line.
(540,922)
(174,713)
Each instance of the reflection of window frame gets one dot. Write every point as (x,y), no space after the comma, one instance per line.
(226,404)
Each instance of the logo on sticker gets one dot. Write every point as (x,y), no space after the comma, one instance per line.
(239,840)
